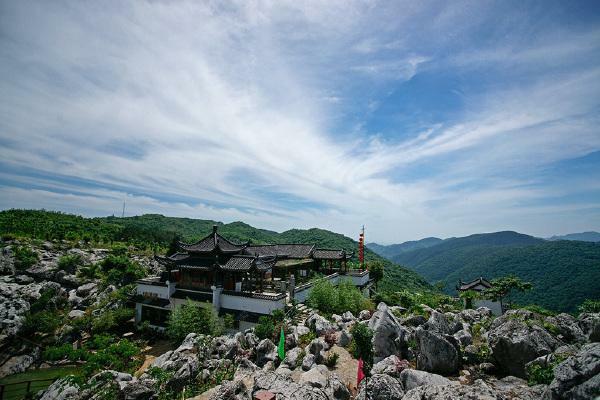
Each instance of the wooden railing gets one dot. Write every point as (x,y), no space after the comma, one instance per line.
(15,390)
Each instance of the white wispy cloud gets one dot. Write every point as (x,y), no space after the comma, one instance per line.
(225,111)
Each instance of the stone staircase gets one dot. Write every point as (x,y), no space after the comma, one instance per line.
(302,312)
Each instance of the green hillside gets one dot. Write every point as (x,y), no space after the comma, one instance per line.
(152,230)
(393,250)
(564,273)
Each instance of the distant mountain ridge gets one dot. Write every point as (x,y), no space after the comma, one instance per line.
(564,273)
(590,236)
(392,250)
(153,229)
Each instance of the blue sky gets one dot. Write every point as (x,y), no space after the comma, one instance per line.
(413,118)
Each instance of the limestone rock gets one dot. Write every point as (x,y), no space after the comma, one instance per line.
(265,351)
(320,324)
(514,343)
(590,326)
(61,389)
(380,387)
(412,378)
(314,378)
(391,365)
(389,337)
(578,377)
(364,315)
(436,353)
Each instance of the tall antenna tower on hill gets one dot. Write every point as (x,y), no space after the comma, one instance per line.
(123,213)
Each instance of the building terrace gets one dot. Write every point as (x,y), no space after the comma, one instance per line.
(239,278)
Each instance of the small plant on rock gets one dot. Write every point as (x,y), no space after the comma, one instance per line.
(332,359)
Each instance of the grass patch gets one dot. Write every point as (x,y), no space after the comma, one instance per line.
(18,391)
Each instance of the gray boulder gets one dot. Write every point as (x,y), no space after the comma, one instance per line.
(17,364)
(364,315)
(590,326)
(380,387)
(578,377)
(463,337)
(436,353)
(345,338)
(137,390)
(317,348)
(568,328)
(61,389)
(389,337)
(348,317)
(308,362)
(291,357)
(391,365)
(412,378)
(319,323)
(314,378)
(438,322)
(285,388)
(479,390)
(265,351)
(514,342)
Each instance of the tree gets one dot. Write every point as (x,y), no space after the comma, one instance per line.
(362,347)
(375,271)
(502,287)
(468,296)
(188,318)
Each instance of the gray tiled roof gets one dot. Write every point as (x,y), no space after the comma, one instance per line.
(474,283)
(329,254)
(246,263)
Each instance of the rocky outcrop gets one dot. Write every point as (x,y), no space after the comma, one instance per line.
(516,340)
(412,378)
(389,337)
(265,351)
(589,323)
(319,324)
(479,390)
(62,389)
(436,353)
(380,387)
(578,377)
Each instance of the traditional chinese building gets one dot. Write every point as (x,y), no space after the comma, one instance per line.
(479,285)
(239,278)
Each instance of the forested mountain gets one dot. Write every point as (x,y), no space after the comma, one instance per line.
(582,236)
(157,231)
(392,250)
(563,273)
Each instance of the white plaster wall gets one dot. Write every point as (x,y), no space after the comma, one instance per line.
(161,291)
(492,305)
(258,306)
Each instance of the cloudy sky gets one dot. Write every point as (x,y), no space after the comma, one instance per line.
(416,119)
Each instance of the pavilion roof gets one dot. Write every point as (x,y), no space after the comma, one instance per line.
(212,243)
(330,254)
(295,250)
(243,263)
(474,283)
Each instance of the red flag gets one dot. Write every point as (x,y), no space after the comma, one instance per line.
(360,375)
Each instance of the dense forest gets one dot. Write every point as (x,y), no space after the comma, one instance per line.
(392,250)
(157,232)
(563,273)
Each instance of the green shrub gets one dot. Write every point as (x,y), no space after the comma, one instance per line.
(25,257)
(304,340)
(120,356)
(543,374)
(228,321)
(43,322)
(187,318)
(265,329)
(539,310)
(70,262)
(590,306)
(361,345)
(330,299)
(120,270)
(332,359)
(112,320)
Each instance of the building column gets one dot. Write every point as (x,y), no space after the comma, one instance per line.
(217,290)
